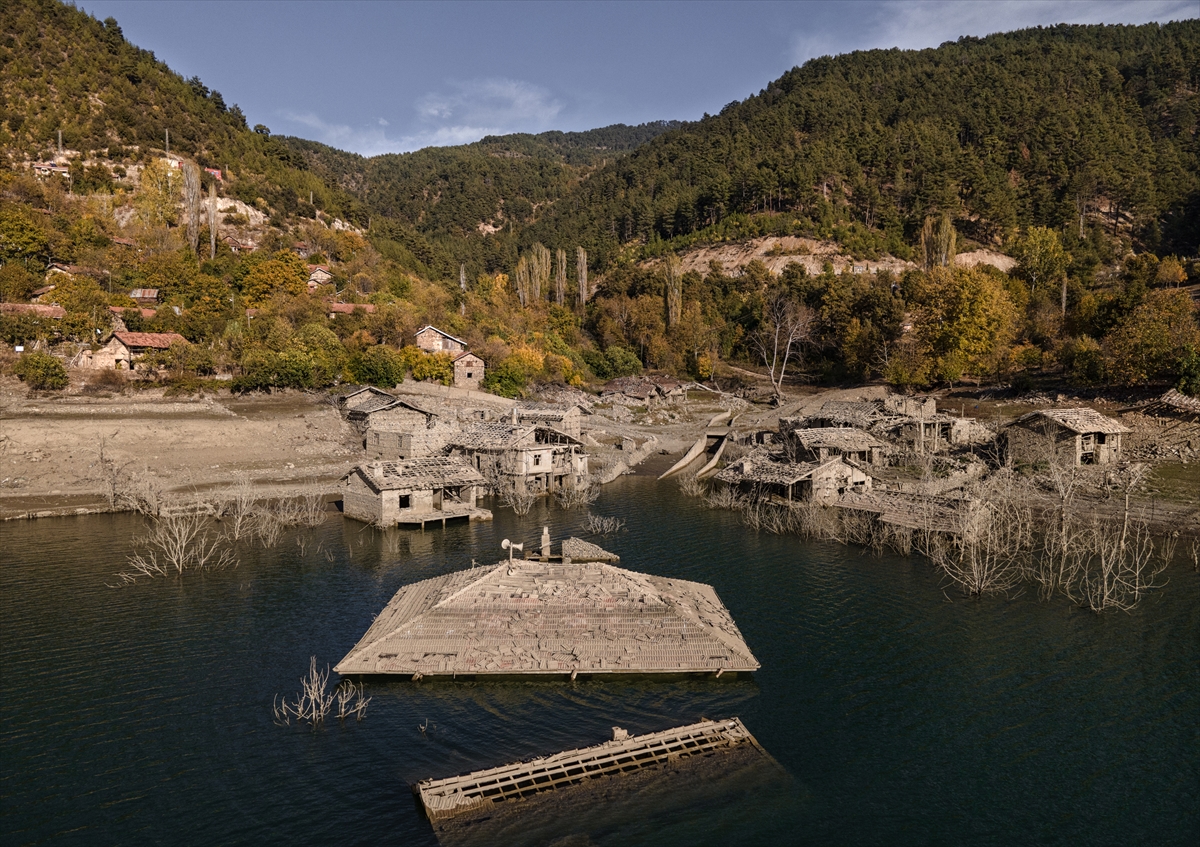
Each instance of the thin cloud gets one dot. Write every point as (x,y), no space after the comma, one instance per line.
(917,24)
(366,140)
(468,110)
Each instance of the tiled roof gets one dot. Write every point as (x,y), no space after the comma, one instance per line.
(762,466)
(155,340)
(837,437)
(33,309)
(543,617)
(420,474)
(1077,420)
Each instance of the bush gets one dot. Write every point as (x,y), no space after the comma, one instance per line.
(41,372)
(106,379)
(263,370)
(380,365)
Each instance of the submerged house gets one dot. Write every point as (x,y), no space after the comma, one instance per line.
(771,476)
(545,617)
(413,492)
(531,458)
(1075,436)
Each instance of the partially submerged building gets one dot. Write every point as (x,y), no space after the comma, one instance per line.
(413,492)
(527,617)
(530,457)
(772,476)
(1074,436)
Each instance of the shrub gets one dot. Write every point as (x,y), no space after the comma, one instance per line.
(380,365)
(41,372)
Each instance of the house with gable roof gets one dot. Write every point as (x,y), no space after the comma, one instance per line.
(1075,436)
(433,340)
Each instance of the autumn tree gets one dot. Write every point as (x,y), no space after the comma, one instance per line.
(285,272)
(156,197)
(966,321)
(673,288)
(581,271)
(1154,339)
(1041,258)
(560,277)
(938,242)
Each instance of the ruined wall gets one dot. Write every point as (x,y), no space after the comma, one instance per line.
(360,502)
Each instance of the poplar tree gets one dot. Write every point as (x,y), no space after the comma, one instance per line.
(581,274)
(191,202)
(560,277)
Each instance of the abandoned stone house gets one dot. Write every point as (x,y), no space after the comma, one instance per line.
(413,492)
(770,476)
(564,417)
(124,349)
(318,275)
(1074,436)
(468,371)
(853,413)
(358,397)
(819,444)
(433,340)
(529,457)
(1171,405)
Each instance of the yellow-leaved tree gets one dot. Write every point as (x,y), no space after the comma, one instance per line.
(284,272)
(967,321)
(157,200)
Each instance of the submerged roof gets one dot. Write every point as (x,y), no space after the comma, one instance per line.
(421,474)
(524,617)
(155,340)
(760,465)
(836,437)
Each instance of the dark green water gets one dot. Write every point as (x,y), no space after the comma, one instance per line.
(142,715)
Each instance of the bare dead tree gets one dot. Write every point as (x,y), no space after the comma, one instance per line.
(595,524)
(581,275)
(175,544)
(522,274)
(315,701)
(237,510)
(560,277)
(191,202)
(786,325)
(584,494)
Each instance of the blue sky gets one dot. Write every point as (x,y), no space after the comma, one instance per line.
(377,77)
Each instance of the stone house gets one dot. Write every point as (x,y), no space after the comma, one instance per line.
(357,397)
(125,348)
(822,443)
(1074,436)
(468,370)
(565,417)
(528,457)
(770,476)
(387,412)
(433,340)
(413,492)
(145,296)
(318,275)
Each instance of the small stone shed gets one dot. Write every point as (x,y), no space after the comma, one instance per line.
(1074,436)
(468,370)
(413,492)
(125,348)
(769,474)
(433,340)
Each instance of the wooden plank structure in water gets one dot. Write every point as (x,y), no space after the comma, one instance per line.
(551,617)
(479,790)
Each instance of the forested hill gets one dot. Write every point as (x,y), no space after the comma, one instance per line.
(1041,126)
(63,70)
(496,183)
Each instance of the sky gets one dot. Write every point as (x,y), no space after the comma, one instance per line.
(388,77)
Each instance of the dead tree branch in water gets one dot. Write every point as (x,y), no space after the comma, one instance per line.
(175,544)
(315,701)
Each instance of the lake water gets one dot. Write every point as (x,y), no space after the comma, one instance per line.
(902,712)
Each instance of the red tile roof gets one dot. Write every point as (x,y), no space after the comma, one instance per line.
(348,308)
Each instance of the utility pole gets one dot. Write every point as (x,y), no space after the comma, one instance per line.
(168,132)
(60,144)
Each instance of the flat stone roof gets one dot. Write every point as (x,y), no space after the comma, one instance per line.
(526,617)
